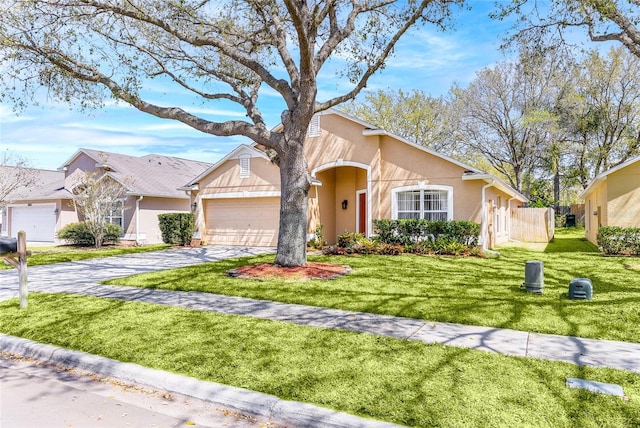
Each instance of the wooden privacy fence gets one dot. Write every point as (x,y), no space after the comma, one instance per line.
(532,224)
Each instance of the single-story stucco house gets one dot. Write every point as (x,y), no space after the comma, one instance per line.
(359,173)
(612,198)
(151,183)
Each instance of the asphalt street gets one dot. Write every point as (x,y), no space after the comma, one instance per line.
(38,395)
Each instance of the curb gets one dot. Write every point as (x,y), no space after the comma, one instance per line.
(292,413)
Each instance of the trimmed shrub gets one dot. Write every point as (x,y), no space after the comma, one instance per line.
(411,236)
(415,234)
(619,240)
(177,228)
(79,234)
(386,231)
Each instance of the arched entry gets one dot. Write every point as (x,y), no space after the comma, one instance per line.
(340,200)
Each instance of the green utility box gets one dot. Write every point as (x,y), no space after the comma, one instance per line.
(533,276)
(580,289)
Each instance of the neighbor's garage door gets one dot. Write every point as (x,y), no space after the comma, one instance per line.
(250,221)
(38,220)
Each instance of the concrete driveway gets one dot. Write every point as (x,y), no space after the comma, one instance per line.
(68,277)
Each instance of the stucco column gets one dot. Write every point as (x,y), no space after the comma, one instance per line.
(374,186)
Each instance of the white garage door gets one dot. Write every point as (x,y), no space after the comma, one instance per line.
(250,221)
(38,220)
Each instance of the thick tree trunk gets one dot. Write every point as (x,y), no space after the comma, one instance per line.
(294,203)
(556,188)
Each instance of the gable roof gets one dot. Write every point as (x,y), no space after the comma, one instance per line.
(603,176)
(241,150)
(149,175)
(471,173)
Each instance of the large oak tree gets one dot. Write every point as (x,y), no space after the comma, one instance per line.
(413,115)
(227,51)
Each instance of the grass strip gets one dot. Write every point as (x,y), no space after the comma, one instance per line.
(61,254)
(468,290)
(388,379)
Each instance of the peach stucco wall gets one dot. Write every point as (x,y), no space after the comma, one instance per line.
(149,208)
(615,201)
(264,176)
(623,193)
(595,205)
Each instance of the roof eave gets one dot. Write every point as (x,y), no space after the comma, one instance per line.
(497,183)
(155,195)
(592,185)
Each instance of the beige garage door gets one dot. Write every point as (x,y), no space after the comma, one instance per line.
(250,221)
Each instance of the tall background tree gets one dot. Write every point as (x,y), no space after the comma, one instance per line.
(545,23)
(228,51)
(606,111)
(504,116)
(413,115)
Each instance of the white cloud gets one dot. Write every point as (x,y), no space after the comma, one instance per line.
(7,115)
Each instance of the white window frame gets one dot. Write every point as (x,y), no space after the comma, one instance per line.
(421,187)
(245,166)
(116,215)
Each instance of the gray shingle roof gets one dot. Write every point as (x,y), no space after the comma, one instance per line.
(49,185)
(150,175)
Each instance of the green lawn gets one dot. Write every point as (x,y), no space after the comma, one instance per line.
(388,379)
(60,254)
(477,291)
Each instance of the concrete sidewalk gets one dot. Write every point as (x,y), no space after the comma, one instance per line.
(82,278)
(575,350)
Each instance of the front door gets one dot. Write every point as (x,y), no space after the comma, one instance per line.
(362,213)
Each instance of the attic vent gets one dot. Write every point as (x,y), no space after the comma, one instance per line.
(314,127)
(245,166)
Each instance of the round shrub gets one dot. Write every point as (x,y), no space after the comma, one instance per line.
(79,234)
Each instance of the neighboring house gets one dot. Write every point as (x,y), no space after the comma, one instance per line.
(359,173)
(41,217)
(151,184)
(613,199)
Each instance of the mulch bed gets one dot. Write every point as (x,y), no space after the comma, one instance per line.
(267,271)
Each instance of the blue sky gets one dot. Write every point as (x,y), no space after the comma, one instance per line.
(426,59)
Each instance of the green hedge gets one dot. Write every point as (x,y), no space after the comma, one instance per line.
(79,234)
(177,228)
(619,240)
(417,231)
(411,236)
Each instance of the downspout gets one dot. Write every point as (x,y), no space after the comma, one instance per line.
(138,218)
(483,223)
